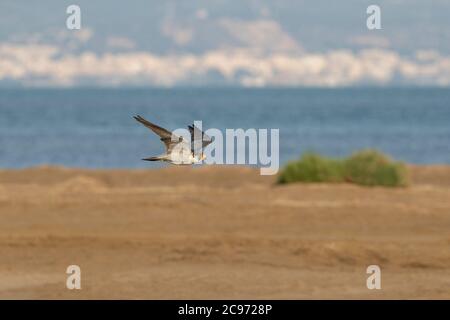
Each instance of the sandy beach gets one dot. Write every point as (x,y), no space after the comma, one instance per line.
(220,233)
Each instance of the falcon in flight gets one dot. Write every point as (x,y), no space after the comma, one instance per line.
(178,150)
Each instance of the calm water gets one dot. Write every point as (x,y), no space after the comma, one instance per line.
(95,128)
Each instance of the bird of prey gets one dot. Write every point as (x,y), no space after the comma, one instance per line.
(178,150)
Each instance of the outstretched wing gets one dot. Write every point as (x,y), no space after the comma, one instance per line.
(169,139)
(196,136)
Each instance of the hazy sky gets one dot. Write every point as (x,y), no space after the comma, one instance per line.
(218,42)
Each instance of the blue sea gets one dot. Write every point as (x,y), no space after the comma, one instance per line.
(95,127)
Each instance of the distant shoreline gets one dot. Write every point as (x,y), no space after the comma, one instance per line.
(438,174)
(224,88)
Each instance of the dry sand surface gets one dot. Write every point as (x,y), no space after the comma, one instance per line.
(220,232)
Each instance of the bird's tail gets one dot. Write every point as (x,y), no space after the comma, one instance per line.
(153,159)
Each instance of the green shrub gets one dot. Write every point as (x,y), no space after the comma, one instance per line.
(367,167)
(372,168)
(312,168)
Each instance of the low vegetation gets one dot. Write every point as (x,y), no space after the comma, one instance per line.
(366,167)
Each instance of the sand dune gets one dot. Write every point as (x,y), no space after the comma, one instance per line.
(220,232)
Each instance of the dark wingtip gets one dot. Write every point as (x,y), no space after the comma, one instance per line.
(138,118)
